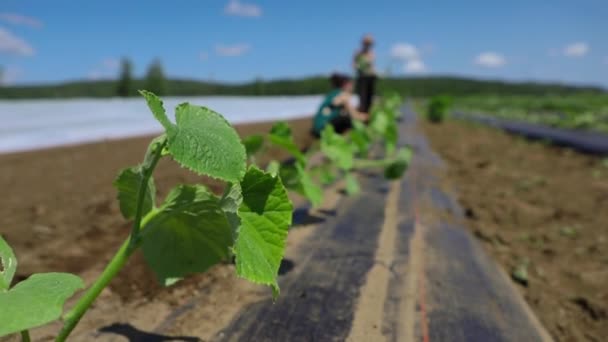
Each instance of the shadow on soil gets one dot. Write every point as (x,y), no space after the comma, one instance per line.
(135,335)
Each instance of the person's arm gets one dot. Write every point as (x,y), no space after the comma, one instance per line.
(343,99)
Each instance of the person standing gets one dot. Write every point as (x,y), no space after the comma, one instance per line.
(363,63)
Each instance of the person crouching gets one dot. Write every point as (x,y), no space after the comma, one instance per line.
(336,108)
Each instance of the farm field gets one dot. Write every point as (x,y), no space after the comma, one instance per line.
(584,111)
(540,209)
(48,208)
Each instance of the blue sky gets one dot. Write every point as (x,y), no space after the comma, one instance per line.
(553,40)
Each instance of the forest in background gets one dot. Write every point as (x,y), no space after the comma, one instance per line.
(411,86)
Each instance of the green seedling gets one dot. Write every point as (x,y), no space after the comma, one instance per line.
(569,232)
(190,231)
(438,108)
(253,145)
(520,272)
(344,154)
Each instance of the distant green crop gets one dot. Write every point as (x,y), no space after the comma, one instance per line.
(344,153)
(584,111)
(438,108)
(193,229)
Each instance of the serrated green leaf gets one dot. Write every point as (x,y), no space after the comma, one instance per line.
(336,148)
(253,144)
(398,166)
(36,301)
(188,234)
(265,215)
(8,265)
(128,184)
(280,135)
(204,142)
(156,106)
(352,184)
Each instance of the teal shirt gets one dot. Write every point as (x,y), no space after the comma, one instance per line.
(327,111)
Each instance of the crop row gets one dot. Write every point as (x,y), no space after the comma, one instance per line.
(193,229)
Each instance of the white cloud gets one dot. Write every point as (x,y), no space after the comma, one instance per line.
(18,19)
(241,9)
(578,49)
(415,66)
(232,50)
(9,75)
(203,56)
(409,56)
(490,60)
(13,45)
(404,52)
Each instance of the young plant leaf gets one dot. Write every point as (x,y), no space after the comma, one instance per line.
(352,184)
(128,184)
(188,234)
(280,135)
(360,137)
(156,106)
(290,177)
(396,168)
(336,148)
(265,216)
(325,173)
(8,265)
(391,137)
(253,144)
(36,301)
(379,123)
(308,187)
(204,142)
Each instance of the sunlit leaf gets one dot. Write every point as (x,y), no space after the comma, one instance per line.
(265,215)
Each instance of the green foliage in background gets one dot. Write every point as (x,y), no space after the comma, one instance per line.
(586,111)
(438,108)
(124,87)
(411,86)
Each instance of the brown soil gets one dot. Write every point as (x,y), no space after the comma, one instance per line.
(59,214)
(538,203)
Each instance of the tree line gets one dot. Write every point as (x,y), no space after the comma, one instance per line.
(154,80)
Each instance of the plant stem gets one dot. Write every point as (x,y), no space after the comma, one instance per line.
(116,264)
(366,164)
(119,260)
(25,336)
(152,157)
